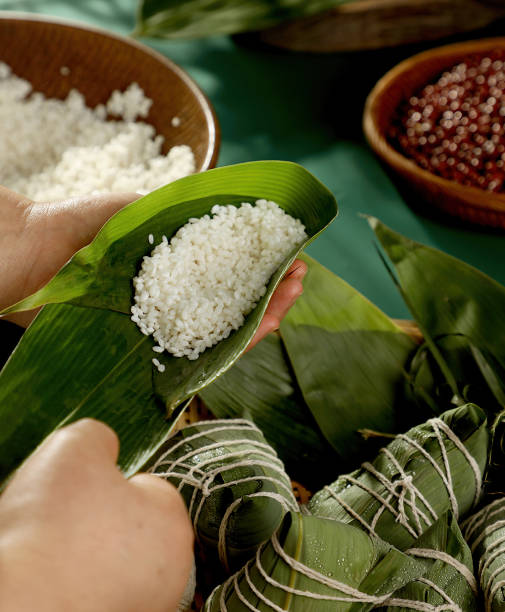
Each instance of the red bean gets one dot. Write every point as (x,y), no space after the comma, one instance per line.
(455,127)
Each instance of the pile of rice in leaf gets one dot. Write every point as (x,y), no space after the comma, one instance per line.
(194,291)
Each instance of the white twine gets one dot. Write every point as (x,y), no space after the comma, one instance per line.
(229,511)
(429,553)
(201,476)
(214,427)
(404,491)
(483,565)
(487,531)
(351,595)
(493,592)
(475,522)
(448,606)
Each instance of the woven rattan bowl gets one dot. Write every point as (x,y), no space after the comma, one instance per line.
(471,204)
(56,56)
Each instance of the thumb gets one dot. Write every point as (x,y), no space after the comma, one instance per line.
(80,218)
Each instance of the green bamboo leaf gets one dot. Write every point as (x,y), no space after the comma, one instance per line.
(49,382)
(262,388)
(316,565)
(349,360)
(96,287)
(197,18)
(447,295)
(477,375)
(448,578)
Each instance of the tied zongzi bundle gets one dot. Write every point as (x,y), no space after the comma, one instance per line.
(233,483)
(434,467)
(312,564)
(448,582)
(485,533)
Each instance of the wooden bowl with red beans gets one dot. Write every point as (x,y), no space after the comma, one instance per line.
(437,120)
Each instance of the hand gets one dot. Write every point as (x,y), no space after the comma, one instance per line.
(75,535)
(37,239)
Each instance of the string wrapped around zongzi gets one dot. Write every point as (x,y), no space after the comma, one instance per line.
(312,564)
(434,467)
(485,533)
(233,483)
(448,582)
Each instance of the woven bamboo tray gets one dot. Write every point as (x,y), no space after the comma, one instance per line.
(372,24)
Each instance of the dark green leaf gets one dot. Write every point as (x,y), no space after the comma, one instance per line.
(459,586)
(349,360)
(447,295)
(477,375)
(261,387)
(48,382)
(197,18)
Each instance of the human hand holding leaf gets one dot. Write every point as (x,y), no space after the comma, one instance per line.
(84,357)
(38,238)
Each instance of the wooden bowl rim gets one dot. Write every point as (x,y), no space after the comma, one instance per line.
(213,127)
(469,195)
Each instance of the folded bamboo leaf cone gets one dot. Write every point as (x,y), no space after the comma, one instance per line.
(312,564)
(485,533)
(434,467)
(233,483)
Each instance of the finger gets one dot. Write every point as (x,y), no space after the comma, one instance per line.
(12,198)
(268,324)
(281,301)
(81,218)
(164,494)
(65,456)
(284,297)
(297,270)
(86,436)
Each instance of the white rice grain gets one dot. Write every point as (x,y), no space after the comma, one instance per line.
(55,149)
(194,291)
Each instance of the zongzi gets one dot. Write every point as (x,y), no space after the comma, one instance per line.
(233,483)
(434,467)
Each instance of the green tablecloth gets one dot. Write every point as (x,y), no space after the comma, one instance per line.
(305,108)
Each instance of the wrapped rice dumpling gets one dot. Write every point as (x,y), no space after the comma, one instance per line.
(312,564)
(485,533)
(434,467)
(233,483)
(448,582)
